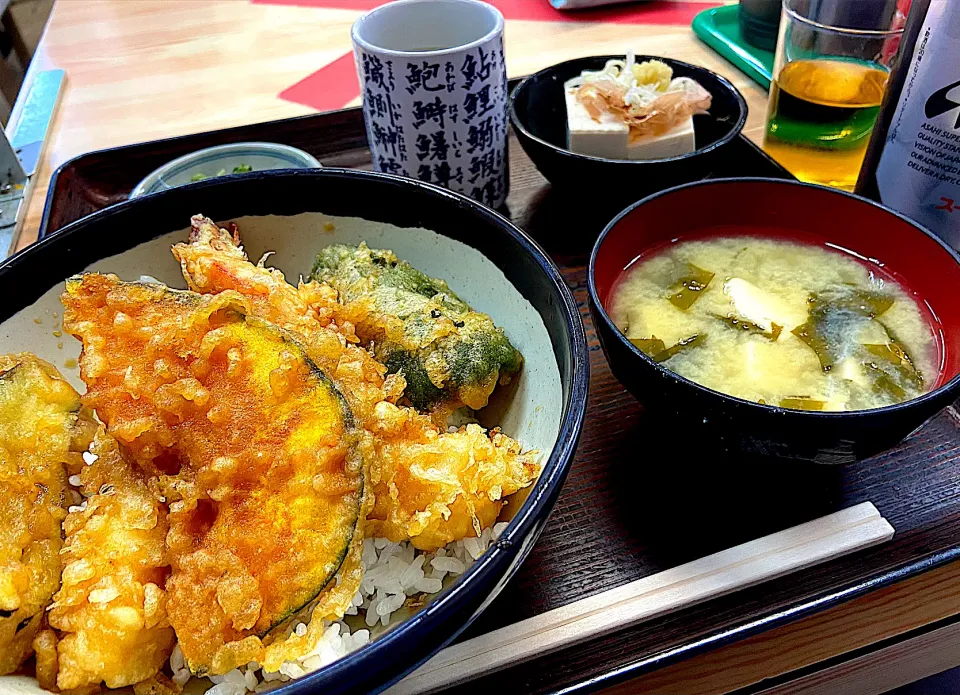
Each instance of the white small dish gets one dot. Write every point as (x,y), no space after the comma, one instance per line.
(259,156)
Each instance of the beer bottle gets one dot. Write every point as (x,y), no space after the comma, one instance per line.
(913,160)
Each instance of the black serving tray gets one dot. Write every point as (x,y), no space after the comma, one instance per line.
(93,181)
(639,498)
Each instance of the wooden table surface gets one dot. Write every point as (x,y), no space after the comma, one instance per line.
(146,69)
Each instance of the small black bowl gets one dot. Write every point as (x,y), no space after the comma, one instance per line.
(538,113)
(918,260)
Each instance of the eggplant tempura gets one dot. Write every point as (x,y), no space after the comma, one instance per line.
(42,429)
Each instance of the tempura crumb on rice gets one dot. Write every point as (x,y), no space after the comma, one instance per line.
(396,576)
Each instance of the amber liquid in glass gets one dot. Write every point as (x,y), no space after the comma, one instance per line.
(820,117)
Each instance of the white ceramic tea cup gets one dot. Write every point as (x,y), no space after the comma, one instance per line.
(434,88)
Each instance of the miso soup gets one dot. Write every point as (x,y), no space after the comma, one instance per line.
(778,322)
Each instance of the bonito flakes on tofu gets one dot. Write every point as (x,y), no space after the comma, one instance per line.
(42,429)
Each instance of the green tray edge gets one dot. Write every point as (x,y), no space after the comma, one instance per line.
(733,49)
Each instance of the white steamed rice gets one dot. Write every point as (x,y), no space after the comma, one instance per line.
(397,577)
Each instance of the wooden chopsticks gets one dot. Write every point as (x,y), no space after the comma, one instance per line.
(706,578)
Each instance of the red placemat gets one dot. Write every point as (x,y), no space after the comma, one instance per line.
(335,85)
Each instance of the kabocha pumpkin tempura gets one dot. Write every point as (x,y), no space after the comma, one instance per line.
(251,444)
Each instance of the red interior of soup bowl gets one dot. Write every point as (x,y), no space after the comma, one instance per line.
(899,249)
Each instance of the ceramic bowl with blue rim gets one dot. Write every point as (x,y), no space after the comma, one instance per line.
(223,160)
(489,262)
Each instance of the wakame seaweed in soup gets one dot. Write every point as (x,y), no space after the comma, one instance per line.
(778,322)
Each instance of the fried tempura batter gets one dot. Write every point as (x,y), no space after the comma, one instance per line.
(42,428)
(434,488)
(214,262)
(254,446)
(111,608)
(431,487)
(45,657)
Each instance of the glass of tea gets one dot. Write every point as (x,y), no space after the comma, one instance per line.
(833,59)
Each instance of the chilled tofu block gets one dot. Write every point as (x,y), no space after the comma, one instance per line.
(679,140)
(607,139)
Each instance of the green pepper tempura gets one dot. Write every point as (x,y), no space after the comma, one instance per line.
(449,354)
